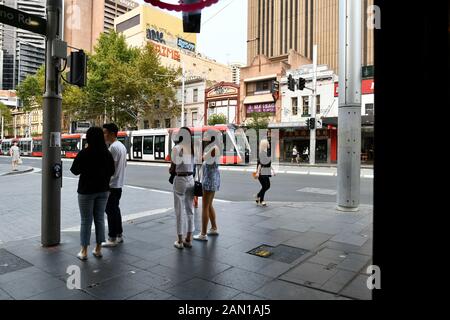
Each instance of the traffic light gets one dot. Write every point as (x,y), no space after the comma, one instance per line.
(307,124)
(78,68)
(301,83)
(291,83)
(192,20)
(312,123)
(275,86)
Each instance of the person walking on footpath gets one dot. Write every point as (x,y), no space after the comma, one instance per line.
(119,154)
(295,155)
(182,169)
(264,171)
(210,183)
(14,152)
(95,166)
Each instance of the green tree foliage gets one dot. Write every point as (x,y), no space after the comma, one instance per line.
(124,83)
(217,119)
(5,112)
(259,120)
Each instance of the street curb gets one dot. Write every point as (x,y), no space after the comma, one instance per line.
(17,172)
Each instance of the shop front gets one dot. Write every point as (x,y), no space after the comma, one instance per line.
(299,136)
(223,98)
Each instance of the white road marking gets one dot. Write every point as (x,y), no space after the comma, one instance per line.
(318,190)
(126,218)
(322,173)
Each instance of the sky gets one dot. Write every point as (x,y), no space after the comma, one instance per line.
(223,35)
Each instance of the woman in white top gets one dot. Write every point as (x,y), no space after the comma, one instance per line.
(14,152)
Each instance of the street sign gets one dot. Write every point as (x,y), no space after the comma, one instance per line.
(23,20)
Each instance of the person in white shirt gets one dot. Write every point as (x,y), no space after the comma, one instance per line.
(295,155)
(14,152)
(119,154)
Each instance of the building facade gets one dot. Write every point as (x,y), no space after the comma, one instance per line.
(85,20)
(236,72)
(256,86)
(21,52)
(296,109)
(223,98)
(176,49)
(276,26)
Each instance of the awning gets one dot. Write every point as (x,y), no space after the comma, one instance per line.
(260,98)
(270,76)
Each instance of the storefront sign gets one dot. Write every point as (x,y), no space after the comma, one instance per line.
(368,86)
(222,90)
(183,44)
(261,107)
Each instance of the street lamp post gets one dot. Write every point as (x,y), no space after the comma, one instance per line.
(183,79)
(259,53)
(349,115)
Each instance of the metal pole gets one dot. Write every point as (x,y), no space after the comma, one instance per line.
(182,93)
(2,135)
(312,133)
(349,115)
(51,140)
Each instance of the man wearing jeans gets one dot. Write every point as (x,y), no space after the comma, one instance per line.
(119,154)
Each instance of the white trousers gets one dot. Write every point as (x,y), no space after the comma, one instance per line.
(183,197)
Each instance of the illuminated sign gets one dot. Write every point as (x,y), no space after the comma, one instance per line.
(183,44)
(261,107)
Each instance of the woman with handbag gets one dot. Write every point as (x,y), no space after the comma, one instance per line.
(182,170)
(210,184)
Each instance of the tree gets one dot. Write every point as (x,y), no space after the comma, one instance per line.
(218,118)
(31,89)
(5,112)
(259,120)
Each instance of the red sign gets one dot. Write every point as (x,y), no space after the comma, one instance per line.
(367,87)
(167,52)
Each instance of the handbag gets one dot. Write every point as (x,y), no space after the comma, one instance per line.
(20,161)
(198,187)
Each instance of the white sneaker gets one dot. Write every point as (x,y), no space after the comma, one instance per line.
(81,256)
(178,245)
(263,204)
(201,237)
(119,239)
(109,243)
(213,232)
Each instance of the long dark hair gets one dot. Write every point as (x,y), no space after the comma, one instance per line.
(96,140)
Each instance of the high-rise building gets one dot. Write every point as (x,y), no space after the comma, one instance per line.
(85,20)
(21,52)
(276,26)
(236,72)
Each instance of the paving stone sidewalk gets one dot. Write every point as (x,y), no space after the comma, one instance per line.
(319,253)
(6,170)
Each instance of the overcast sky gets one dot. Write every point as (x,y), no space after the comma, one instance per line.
(223,34)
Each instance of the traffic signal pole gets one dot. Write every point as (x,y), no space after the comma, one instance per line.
(312,132)
(349,114)
(51,139)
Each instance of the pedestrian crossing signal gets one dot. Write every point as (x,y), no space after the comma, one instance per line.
(301,83)
(291,83)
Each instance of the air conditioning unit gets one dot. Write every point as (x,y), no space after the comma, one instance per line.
(212,104)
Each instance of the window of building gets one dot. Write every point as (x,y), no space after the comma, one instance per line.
(157,124)
(146,124)
(195,95)
(317,104)
(148,145)
(194,119)
(263,85)
(294,106)
(305,106)
(167,123)
(369,109)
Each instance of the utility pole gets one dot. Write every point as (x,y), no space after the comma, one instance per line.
(183,79)
(312,132)
(2,136)
(349,115)
(51,139)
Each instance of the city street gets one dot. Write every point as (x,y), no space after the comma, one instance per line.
(238,185)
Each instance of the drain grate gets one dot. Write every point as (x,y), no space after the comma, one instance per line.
(282,253)
(10,262)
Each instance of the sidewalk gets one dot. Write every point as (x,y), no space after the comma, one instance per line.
(6,170)
(319,253)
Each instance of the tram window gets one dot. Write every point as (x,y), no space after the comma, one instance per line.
(148,145)
(37,146)
(69,145)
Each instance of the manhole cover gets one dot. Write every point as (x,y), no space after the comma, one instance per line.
(10,262)
(280,253)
